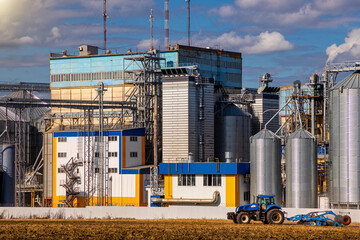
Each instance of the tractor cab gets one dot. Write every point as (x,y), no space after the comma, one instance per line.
(265,200)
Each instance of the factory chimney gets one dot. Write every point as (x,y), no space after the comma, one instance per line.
(188,24)
(166,24)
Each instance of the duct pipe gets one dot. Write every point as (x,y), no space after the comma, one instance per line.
(213,200)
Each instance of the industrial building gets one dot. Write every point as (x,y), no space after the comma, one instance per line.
(75,186)
(176,127)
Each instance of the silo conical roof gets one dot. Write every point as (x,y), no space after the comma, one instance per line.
(350,82)
(264,134)
(300,133)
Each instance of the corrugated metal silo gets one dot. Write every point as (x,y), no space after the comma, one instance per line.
(345,142)
(265,165)
(232,133)
(9,175)
(301,170)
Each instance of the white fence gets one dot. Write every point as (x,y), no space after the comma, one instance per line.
(173,212)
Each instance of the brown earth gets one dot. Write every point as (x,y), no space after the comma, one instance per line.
(166,229)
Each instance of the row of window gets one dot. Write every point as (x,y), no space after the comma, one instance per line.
(208,180)
(97,154)
(110,170)
(70,77)
(97,139)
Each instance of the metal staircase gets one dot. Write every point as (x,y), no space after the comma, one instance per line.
(71,179)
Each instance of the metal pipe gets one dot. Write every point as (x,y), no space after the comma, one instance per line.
(166,24)
(188,24)
(298,111)
(212,200)
(151,30)
(277,113)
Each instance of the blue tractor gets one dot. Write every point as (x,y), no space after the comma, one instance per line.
(264,210)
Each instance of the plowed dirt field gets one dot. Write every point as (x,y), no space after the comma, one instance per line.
(167,229)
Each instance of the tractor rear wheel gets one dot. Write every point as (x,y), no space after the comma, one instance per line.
(346,220)
(275,216)
(243,218)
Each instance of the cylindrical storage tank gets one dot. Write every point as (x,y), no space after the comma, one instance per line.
(8,196)
(301,170)
(344,146)
(265,165)
(232,133)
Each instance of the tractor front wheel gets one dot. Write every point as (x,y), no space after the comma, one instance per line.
(275,216)
(243,218)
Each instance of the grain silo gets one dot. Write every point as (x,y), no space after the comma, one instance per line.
(344,142)
(232,133)
(265,165)
(301,170)
(8,157)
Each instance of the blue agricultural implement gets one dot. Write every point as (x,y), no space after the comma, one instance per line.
(323,218)
(264,210)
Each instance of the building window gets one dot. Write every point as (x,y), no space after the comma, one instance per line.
(133,154)
(186,180)
(112,138)
(62,139)
(212,180)
(112,154)
(61,170)
(133,138)
(61,205)
(96,170)
(62,154)
(112,170)
(97,138)
(97,154)
(246,196)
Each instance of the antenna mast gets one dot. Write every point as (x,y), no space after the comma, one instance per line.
(188,25)
(166,24)
(151,30)
(105,17)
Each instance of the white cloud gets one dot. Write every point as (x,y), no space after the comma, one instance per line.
(285,13)
(225,11)
(39,22)
(145,44)
(349,50)
(265,42)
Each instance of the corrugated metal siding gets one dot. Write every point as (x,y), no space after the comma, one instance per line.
(181,125)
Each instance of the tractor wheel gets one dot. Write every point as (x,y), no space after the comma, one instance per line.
(346,220)
(275,216)
(243,218)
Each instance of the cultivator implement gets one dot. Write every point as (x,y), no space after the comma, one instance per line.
(323,218)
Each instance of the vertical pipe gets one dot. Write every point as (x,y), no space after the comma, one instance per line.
(151,30)
(188,24)
(166,24)
(105,16)
(155,118)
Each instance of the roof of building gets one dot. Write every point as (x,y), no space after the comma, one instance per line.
(300,133)
(350,82)
(265,134)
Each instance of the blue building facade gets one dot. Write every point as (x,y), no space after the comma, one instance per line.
(83,71)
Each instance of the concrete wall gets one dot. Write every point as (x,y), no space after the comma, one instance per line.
(173,212)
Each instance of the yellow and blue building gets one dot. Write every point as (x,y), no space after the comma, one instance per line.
(127,170)
(199,181)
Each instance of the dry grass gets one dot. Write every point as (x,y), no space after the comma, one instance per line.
(166,229)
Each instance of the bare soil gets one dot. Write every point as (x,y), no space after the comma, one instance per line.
(167,229)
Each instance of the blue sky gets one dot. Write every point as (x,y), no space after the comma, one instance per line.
(289,39)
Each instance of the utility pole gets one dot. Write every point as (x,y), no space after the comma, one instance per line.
(105,17)
(151,30)
(188,25)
